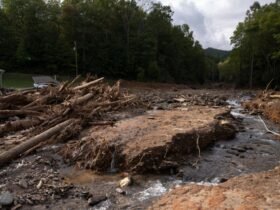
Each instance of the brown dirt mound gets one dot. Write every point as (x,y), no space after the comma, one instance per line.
(151,142)
(266,104)
(256,191)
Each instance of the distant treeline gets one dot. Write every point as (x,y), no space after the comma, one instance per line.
(114,38)
(255,59)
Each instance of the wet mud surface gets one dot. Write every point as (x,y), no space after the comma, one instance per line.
(253,150)
(64,186)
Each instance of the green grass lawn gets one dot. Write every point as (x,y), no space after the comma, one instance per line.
(17,80)
(20,80)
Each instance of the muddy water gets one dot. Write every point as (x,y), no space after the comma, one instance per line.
(252,150)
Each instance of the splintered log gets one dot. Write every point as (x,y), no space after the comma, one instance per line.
(274,96)
(63,86)
(102,104)
(82,99)
(78,101)
(28,144)
(88,84)
(74,81)
(12,113)
(16,99)
(18,125)
(42,100)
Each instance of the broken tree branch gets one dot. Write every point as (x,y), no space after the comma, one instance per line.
(268,130)
(28,144)
(274,96)
(74,81)
(18,125)
(11,113)
(88,84)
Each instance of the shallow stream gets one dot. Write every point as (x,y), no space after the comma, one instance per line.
(252,150)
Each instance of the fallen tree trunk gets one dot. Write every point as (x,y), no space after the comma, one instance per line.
(42,100)
(78,101)
(274,96)
(16,99)
(88,84)
(82,99)
(28,144)
(73,81)
(18,125)
(11,113)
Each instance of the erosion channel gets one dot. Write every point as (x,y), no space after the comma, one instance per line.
(251,150)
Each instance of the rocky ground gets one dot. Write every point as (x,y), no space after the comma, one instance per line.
(266,104)
(136,157)
(253,191)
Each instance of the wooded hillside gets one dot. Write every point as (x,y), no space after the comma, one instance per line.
(255,59)
(114,38)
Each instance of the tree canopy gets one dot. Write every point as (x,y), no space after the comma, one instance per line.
(114,38)
(255,59)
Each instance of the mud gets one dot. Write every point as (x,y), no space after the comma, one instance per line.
(267,104)
(66,186)
(153,142)
(256,191)
(253,150)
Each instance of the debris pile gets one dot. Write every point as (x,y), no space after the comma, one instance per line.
(164,101)
(56,114)
(268,104)
(153,142)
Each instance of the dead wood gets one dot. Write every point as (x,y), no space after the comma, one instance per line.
(111,123)
(23,147)
(82,99)
(267,129)
(37,101)
(11,113)
(18,125)
(15,99)
(88,84)
(274,96)
(267,87)
(63,86)
(73,81)
(50,112)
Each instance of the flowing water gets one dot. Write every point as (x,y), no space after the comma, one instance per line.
(252,150)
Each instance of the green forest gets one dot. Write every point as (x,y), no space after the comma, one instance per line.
(124,39)
(255,58)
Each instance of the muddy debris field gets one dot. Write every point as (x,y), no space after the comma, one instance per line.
(90,145)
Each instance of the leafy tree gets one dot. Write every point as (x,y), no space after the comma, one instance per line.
(256,46)
(114,38)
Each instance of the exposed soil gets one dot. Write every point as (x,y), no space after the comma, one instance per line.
(154,141)
(254,191)
(267,105)
(174,136)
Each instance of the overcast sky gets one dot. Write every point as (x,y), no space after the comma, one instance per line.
(213,21)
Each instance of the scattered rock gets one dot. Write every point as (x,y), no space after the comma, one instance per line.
(96,200)
(40,184)
(23,183)
(120,191)
(6,198)
(18,206)
(85,194)
(125,182)
(180,100)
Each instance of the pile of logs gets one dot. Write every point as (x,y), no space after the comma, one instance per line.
(56,114)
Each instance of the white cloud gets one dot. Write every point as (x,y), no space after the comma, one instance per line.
(213,21)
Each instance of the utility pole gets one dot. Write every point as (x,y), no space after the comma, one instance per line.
(76,57)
